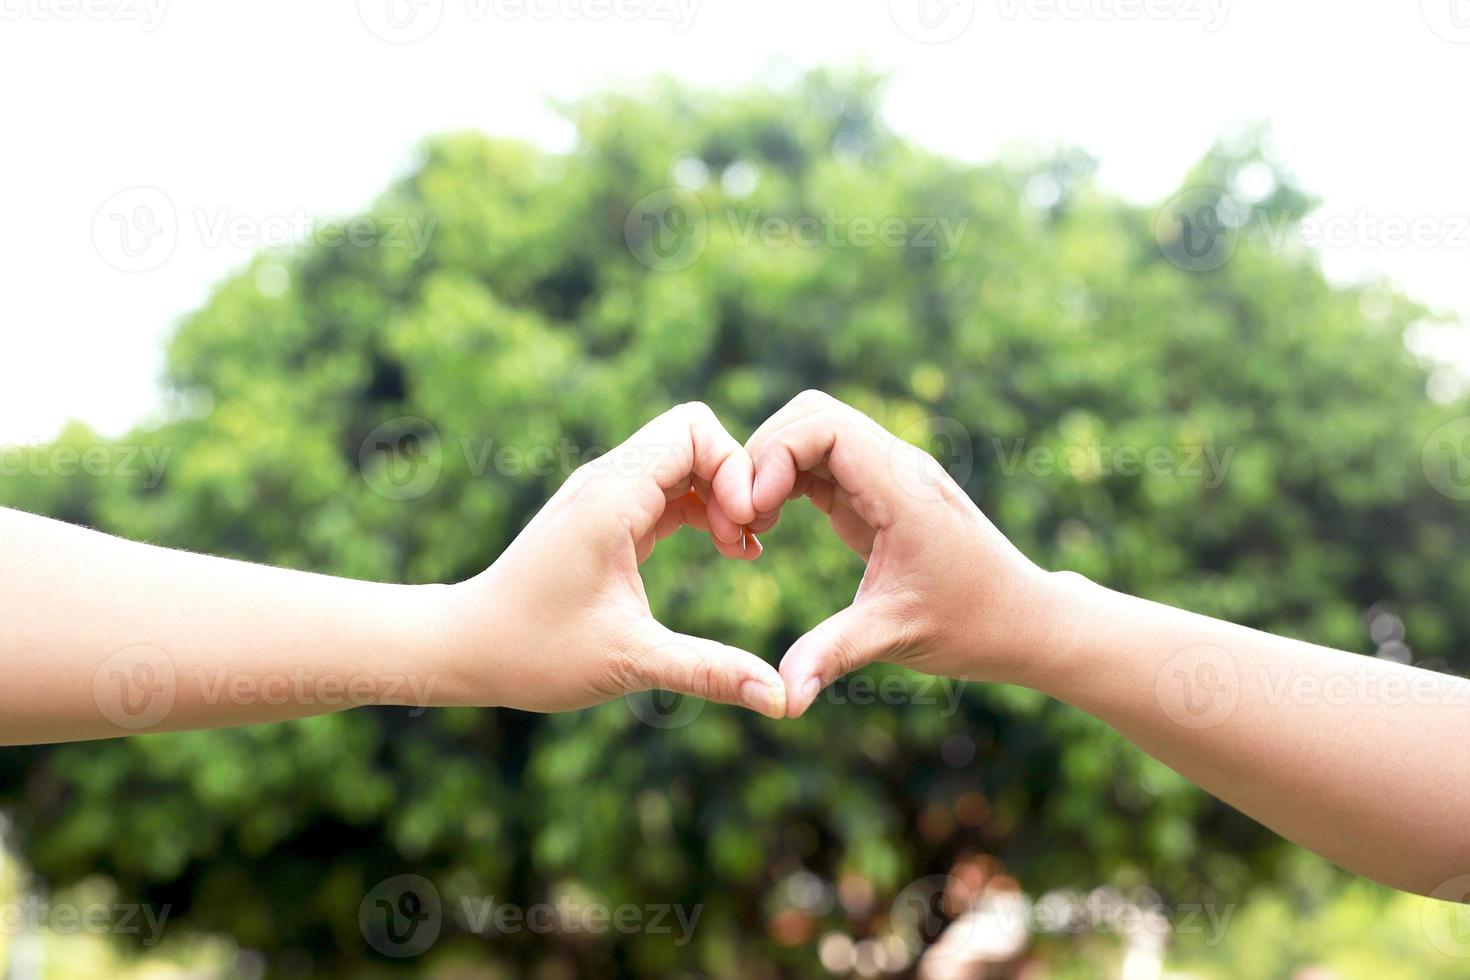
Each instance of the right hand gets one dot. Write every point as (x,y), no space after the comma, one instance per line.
(944,591)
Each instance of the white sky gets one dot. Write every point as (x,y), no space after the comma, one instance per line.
(269,111)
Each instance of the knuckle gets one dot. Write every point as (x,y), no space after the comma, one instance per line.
(845,658)
(630,670)
(714,683)
(586,482)
(587,474)
(812,398)
(696,411)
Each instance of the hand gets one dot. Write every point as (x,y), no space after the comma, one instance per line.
(561,620)
(944,591)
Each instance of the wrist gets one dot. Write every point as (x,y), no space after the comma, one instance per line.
(1051,620)
(435,619)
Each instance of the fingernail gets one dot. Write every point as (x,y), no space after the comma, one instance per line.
(768,699)
(810,688)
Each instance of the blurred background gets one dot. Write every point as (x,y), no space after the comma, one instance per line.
(1176,290)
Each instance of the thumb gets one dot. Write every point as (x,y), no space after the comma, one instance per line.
(711,670)
(848,639)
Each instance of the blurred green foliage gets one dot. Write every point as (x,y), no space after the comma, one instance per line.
(534,320)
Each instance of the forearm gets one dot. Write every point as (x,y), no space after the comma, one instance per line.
(104,637)
(1358,759)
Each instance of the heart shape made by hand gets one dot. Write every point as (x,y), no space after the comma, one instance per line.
(943,591)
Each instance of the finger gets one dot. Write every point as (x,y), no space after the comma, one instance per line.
(805,486)
(855,451)
(684,445)
(836,503)
(850,638)
(706,451)
(707,669)
(804,403)
(687,510)
(728,536)
(691,510)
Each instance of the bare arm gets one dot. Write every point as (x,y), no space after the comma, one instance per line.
(1360,760)
(102,637)
(105,637)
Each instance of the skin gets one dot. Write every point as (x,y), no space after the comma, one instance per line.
(1349,756)
(104,637)
(1355,758)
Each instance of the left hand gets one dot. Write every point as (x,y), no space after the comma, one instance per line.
(561,620)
